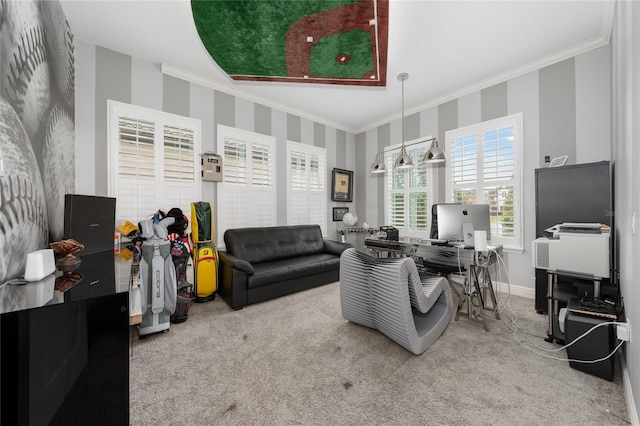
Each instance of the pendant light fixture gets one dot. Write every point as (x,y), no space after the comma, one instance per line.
(403,161)
(434,154)
(378,164)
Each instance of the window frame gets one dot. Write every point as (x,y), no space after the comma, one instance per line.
(420,143)
(479,184)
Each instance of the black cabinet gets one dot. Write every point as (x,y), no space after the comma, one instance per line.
(66,361)
(580,193)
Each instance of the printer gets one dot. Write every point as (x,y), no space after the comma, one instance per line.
(579,248)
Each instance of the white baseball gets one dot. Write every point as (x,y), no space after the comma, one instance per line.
(23,64)
(23,214)
(59,170)
(59,40)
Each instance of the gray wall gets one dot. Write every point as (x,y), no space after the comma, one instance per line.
(103,74)
(566,110)
(626,153)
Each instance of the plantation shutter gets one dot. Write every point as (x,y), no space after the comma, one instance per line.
(152,161)
(464,169)
(246,196)
(306,196)
(396,195)
(136,168)
(484,168)
(407,204)
(418,209)
(499,174)
(180,171)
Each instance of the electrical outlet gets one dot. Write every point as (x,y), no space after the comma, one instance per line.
(623,331)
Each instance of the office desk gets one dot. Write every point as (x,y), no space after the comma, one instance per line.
(452,259)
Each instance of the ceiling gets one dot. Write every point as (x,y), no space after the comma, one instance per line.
(449,48)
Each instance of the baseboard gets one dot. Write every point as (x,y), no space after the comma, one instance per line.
(516,290)
(632,412)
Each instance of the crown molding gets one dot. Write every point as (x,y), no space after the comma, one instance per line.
(594,43)
(207,82)
(602,40)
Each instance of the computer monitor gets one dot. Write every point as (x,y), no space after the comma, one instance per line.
(451,218)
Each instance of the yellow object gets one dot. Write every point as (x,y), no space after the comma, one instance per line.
(206,272)
(205,254)
(126,253)
(127,228)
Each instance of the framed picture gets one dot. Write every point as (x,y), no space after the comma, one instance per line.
(338,212)
(342,185)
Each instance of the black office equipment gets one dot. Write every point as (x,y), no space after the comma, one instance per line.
(580,193)
(596,345)
(391,233)
(90,220)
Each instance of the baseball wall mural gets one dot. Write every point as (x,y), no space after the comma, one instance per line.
(37,129)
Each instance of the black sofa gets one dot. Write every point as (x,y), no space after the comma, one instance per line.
(263,263)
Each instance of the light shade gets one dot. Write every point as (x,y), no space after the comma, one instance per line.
(403,161)
(378,164)
(434,154)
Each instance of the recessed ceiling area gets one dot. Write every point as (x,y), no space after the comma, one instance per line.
(307,42)
(449,48)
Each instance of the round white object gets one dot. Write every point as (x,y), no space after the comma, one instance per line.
(23,211)
(349,219)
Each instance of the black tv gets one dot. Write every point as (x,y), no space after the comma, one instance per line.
(579,193)
(90,220)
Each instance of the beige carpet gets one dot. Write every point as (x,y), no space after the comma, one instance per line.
(295,360)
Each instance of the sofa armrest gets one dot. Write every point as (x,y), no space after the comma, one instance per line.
(236,263)
(335,247)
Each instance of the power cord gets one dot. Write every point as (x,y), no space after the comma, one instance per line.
(516,329)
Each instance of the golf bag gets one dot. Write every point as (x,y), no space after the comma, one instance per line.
(205,254)
(158,290)
(181,255)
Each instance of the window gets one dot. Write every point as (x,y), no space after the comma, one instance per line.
(307,187)
(484,167)
(247,193)
(153,161)
(407,192)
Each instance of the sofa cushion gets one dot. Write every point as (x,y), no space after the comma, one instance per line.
(295,267)
(256,245)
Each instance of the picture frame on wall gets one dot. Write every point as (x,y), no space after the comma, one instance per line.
(342,185)
(339,212)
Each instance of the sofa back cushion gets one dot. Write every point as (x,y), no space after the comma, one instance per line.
(256,245)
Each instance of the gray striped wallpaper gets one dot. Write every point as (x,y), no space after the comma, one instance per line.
(104,74)
(558,102)
(566,110)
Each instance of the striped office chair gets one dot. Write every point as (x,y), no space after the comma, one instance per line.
(389,295)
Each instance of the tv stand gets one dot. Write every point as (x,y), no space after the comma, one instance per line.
(558,296)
